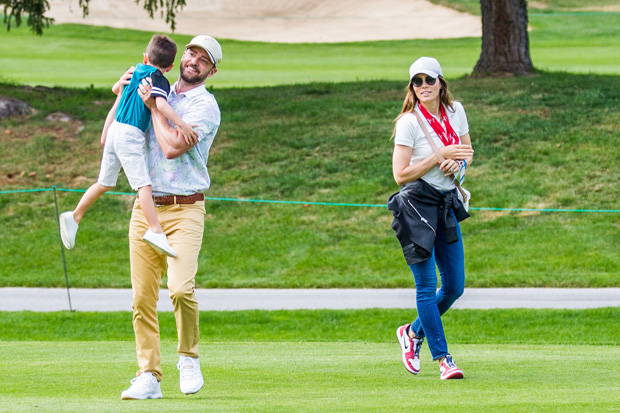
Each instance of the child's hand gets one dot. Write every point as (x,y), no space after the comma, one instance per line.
(123,81)
(190,135)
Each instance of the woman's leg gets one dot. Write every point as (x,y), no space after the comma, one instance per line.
(428,322)
(450,261)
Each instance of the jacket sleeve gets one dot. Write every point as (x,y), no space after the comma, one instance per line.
(407,230)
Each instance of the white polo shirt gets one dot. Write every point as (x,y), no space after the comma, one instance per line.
(409,133)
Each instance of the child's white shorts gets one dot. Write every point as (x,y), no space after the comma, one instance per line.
(125,147)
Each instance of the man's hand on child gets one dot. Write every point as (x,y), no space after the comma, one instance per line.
(144,90)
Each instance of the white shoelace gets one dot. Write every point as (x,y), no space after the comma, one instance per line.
(142,383)
(187,372)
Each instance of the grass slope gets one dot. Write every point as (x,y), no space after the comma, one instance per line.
(546,141)
(79,56)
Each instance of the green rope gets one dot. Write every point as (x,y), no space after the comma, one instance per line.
(83,190)
(573,13)
(26,190)
(267,201)
(546,210)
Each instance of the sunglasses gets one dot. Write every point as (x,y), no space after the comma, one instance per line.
(418,81)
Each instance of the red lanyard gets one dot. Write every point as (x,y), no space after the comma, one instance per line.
(447,136)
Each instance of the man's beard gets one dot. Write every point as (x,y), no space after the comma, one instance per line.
(197,78)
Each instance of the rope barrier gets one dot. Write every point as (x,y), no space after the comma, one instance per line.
(266,201)
(26,190)
(284,202)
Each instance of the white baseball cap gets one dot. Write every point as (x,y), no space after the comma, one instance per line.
(427,65)
(210,45)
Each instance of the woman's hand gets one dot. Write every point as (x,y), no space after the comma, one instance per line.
(449,166)
(457,152)
(123,81)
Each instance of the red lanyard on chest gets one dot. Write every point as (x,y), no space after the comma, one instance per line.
(447,135)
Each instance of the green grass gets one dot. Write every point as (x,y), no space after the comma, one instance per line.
(546,141)
(537,7)
(79,376)
(498,326)
(78,56)
(514,360)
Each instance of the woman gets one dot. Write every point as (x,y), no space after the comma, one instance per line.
(427,210)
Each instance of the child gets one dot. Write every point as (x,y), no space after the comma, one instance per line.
(123,136)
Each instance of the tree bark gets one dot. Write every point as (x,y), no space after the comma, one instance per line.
(505,42)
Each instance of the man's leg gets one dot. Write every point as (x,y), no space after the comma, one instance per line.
(147,269)
(184,226)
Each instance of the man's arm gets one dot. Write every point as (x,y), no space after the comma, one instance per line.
(189,134)
(170,140)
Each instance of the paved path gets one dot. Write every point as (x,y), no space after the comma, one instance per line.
(55,299)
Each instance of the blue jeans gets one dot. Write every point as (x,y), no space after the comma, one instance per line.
(431,302)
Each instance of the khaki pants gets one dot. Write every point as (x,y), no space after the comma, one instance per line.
(184,227)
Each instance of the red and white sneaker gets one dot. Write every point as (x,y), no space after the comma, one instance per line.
(449,370)
(411,349)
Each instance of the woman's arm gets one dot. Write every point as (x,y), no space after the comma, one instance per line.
(462,151)
(405,173)
(466,140)
(454,154)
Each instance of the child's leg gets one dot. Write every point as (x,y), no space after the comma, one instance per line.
(91,195)
(145,195)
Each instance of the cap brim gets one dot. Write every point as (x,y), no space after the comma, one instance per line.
(427,73)
(187,46)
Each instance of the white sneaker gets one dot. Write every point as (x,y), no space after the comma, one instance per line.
(145,386)
(190,379)
(159,242)
(68,229)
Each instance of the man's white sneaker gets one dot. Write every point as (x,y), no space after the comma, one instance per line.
(145,386)
(68,229)
(190,379)
(159,242)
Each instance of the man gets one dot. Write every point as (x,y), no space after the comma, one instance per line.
(179,175)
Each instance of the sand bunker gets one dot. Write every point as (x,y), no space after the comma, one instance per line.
(285,21)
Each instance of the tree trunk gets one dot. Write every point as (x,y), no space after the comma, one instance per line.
(505,42)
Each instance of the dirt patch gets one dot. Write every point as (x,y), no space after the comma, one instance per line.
(286,21)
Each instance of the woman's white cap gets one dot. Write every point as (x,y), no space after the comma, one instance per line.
(210,45)
(427,65)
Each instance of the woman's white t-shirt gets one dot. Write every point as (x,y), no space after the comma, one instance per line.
(409,133)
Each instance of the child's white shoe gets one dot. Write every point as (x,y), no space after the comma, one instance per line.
(159,242)
(68,229)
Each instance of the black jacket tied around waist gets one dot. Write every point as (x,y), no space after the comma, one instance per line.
(418,210)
